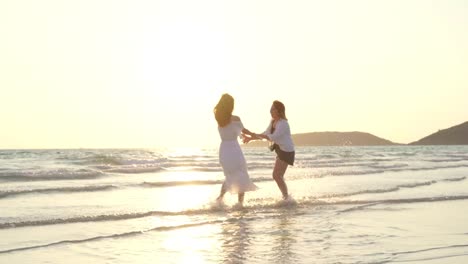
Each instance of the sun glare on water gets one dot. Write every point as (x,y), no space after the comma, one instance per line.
(191,243)
(183,193)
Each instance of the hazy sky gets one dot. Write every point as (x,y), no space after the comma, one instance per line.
(94,73)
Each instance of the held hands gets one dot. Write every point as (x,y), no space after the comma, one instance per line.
(245,138)
(248,136)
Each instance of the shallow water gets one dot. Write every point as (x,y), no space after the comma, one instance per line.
(351,205)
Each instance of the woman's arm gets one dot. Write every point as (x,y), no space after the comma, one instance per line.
(261,136)
(254,136)
(249,136)
(246,138)
(281,129)
(247,132)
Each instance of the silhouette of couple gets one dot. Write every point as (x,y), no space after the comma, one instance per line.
(230,127)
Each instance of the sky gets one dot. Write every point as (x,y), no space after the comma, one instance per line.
(118,74)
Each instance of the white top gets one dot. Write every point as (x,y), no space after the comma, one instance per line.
(281,135)
(230,131)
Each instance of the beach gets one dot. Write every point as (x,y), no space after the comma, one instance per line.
(389,204)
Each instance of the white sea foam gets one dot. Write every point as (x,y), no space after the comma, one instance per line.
(136,194)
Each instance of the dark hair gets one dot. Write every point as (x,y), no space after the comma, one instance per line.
(279,106)
(223,110)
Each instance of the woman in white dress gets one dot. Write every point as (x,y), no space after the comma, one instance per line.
(231,158)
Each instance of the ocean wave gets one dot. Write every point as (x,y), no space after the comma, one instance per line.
(258,205)
(210,159)
(353,172)
(362,168)
(385,190)
(116,158)
(134,169)
(336,165)
(4,194)
(304,202)
(217,168)
(196,182)
(111,236)
(100,159)
(423,199)
(391,166)
(455,179)
(394,188)
(389,169)
(191,156)
(446,160)
(326,156)
(79,219)
(97,188)
(49,174)
(105,217)
(417,184)
(156,184)
(208,209)
(405,154)
(180,183)
(212,166)
(369,203)
(382,159)
(432,256)
(430,249)
(437,167)
(193,163)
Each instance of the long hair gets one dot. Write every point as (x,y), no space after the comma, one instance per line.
(279,106)
(223,110)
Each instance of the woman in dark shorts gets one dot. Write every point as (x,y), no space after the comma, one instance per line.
(279,134)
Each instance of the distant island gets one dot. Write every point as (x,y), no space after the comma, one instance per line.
(339,139)
(334,139)
(456,135)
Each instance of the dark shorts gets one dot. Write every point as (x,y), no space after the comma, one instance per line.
(285,156)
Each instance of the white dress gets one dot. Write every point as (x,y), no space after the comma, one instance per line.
(232,159)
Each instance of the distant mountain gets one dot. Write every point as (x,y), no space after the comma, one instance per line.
(456,135)
(334,139)
(339,139)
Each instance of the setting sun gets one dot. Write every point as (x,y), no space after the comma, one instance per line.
(148,74)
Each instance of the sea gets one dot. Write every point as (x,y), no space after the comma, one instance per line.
(348,204)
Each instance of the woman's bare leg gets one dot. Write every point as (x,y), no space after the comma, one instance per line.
(222,192)
(278,175)
(240,198)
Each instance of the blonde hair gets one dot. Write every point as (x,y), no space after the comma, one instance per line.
(223,110)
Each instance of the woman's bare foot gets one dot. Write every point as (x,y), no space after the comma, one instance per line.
(238,206)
